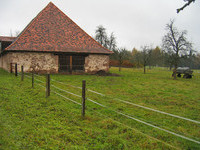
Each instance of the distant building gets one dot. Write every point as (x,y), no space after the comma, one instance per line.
(53,43)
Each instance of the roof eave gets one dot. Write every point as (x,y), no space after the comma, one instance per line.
(48,51)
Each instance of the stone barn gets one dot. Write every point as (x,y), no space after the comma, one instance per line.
(53,43)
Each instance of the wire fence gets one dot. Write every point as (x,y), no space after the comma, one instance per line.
(128,116)
(131,103)
(131,128)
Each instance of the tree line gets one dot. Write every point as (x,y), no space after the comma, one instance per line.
(175,51)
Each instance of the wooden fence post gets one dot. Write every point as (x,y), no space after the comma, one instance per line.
(15,69)
(22,73)
(83,97)
(11,68)
(47,85)
(32,80)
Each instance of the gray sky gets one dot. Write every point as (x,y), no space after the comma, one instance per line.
(134,22)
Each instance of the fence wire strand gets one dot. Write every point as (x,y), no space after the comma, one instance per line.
(155,110)
(148,108)
(27,76)
(67,98)
(65,91)
(148,124)
(39,80)
(39,75)
(66,84)
(60,94)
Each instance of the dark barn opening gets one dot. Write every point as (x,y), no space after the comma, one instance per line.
(64,63)
(78,63)
(69,63)
(5,41)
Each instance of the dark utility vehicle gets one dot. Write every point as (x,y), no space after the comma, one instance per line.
(186,71)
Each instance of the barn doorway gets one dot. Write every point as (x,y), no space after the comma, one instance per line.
(71,63)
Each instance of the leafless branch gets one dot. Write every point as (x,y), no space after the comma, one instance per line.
(187,4)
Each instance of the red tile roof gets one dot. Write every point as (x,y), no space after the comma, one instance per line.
(53,31)
(7,38)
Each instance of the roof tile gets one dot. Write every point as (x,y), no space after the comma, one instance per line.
(51,30)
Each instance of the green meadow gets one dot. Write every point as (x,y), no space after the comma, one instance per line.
(29,120)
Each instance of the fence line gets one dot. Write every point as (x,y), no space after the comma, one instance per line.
(144,107)
(130,117)
(41,85)
(39,75)
(148,124)
(137,130)
(97,103)
(35,79)
(65,91)
(27,76)
(67,98)
(176,116)
(137,105)
(58,93)
(66,84)
(39,80)
(143,122)
(148,108)
(111,118)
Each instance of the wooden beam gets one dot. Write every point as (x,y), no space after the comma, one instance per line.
(11,67)
(70,64)
(15,69)
(22,73)
(47,85)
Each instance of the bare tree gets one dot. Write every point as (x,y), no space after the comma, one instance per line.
(175,43)
(168,61)
(112,44)
(188,2)
(11,34)
(121,54)
(145,56)
(17,32)
(101,36)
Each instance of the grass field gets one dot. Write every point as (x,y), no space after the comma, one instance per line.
(28,120)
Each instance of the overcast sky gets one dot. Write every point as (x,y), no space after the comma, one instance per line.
(134,22)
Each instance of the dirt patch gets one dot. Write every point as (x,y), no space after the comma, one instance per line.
(103,73)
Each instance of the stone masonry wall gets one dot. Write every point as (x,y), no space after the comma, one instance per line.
(1,62)
(4,62)
(40,62)
(95,63)
(47,62)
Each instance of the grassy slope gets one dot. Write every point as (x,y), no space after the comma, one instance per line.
(28,120)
